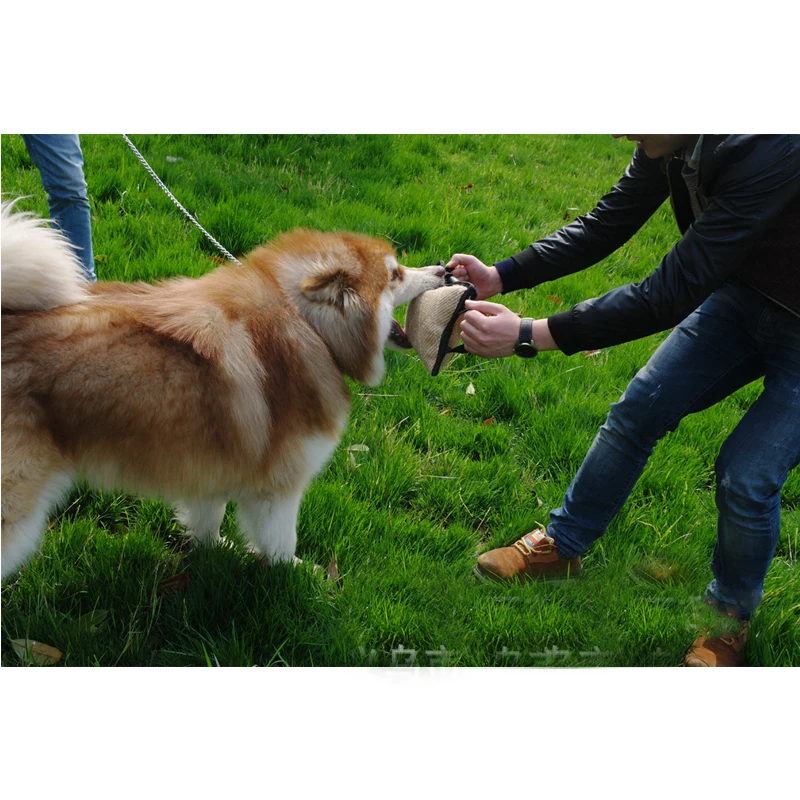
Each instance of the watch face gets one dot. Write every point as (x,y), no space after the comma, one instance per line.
(525,350)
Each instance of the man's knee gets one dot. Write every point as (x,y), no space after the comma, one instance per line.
(66,183)
(639,415)
(743,476)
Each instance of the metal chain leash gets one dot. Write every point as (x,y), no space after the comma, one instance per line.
(174,200)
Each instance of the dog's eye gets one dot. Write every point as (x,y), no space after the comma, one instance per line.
(397,275)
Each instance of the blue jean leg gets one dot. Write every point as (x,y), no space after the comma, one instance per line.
(59,160)
(751,469)
(715,351)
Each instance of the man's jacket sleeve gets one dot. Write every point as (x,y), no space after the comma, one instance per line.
(592,237)
(755,185)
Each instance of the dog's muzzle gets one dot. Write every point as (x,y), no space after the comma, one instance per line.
(398,337)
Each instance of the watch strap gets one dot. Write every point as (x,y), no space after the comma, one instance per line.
(525,331)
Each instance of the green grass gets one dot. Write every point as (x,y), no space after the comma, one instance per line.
(404,519)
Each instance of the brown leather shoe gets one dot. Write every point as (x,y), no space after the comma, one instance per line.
(533,556)
(723,651)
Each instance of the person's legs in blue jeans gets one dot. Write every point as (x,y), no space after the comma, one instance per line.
(716,350)
(751,469)
(59,159)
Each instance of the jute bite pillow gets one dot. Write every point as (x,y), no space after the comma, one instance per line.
(431,322)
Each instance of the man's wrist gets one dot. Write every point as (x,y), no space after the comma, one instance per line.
(542,336)
(496,281)
(526,345)
(506,272)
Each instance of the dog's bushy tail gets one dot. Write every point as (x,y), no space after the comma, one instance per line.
(40,269)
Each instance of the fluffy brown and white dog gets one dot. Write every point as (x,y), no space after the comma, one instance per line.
(199,391)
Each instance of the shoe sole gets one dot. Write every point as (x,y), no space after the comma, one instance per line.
(490,576)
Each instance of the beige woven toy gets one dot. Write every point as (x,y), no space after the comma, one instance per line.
(431,322)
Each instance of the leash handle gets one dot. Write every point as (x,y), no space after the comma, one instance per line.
(169,194)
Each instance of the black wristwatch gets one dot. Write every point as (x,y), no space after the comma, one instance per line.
(525,347)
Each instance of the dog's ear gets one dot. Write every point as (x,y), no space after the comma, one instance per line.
(332,288)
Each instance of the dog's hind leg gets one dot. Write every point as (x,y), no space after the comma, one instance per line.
(35,479)
(270,524)
(201,518)
(21,538)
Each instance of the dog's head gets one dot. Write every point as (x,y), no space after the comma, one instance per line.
(347,286)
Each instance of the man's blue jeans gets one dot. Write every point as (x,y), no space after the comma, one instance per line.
(59,160)
(735,337)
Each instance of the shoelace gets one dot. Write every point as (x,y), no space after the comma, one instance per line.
(525,548)
(735,640)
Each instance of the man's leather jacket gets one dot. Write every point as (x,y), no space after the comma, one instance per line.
(749,229)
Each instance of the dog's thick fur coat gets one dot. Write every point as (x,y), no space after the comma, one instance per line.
(228,386)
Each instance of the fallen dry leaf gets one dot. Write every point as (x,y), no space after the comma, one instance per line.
(353,449)
(536,497)
(94,621)
(658,571)
(333,570)
(555,298)
(29,650)
(332,574)
(445,411)
(488,421)
(661,572)
(590,353)
(175,583)
(470,389)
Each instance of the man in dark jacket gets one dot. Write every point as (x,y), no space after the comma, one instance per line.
(731,286)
